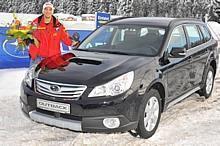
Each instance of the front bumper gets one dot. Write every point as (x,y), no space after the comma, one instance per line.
(83,117)
(59,122)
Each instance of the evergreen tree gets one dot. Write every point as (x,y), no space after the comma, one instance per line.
(121,7)
(81,9)
(92,7)
(125,8)
(113,7)
(168,8)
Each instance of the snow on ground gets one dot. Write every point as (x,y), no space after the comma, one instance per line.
(194,121)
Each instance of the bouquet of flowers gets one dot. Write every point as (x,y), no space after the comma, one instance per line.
(21,33)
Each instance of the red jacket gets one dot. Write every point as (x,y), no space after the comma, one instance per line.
(49,37)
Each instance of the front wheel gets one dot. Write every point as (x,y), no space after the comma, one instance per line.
(150,113)
(209,82)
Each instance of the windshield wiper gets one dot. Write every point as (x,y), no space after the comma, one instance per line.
(82,49)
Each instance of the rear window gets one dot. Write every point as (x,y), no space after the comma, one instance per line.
(205,33)
(193,34)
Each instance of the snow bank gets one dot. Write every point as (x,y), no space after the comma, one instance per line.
(71,22)
(214,27)
(215,30)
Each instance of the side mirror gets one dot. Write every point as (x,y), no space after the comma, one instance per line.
(76,37)
(178,52)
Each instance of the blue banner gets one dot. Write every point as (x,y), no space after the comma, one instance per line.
(101,18)
(11,57)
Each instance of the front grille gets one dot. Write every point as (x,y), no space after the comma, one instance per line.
(59,89)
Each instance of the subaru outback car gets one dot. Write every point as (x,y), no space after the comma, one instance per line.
(122,76)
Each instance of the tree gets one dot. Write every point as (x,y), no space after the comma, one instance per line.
(92,7)
(163,8)
(113,7)
(81,7)
(125,8)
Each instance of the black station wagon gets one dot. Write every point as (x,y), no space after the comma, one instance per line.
(122,76)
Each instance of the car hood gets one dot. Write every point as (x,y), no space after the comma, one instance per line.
(88,68)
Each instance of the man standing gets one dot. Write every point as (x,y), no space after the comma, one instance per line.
(47,38)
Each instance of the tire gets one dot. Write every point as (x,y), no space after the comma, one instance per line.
(208,81)
(146,128)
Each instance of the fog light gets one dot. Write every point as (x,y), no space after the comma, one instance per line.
(111,123)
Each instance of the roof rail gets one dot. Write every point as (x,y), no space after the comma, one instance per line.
(120,18)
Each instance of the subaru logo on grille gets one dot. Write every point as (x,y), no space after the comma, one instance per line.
(55,88)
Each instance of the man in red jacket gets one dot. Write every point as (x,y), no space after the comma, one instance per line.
(48,36)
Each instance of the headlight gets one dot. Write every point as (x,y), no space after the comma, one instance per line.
(30,74)
(114,87)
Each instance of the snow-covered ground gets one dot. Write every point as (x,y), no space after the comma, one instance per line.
(194,121)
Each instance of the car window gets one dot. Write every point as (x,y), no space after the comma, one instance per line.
(97,41)
(130,39)
(177,39)
(205,33)
(144,35)
(194,37)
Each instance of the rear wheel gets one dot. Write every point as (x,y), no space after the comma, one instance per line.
(209,82)
(150,114)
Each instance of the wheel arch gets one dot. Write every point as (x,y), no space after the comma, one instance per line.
(213,64)
(159,86)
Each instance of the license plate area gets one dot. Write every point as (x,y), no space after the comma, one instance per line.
(53,106)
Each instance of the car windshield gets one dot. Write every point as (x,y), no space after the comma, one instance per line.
(125,39)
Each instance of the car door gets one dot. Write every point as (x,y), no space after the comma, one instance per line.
(178,69)
(198,51)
